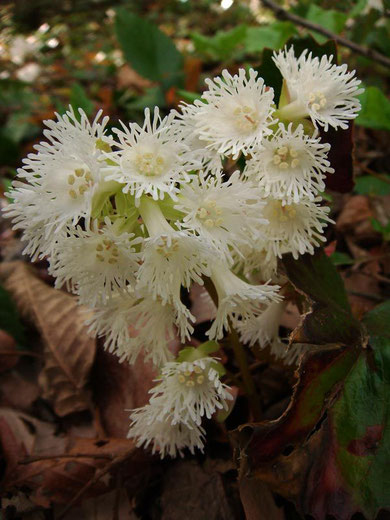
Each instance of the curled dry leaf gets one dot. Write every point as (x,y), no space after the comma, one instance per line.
(69,350)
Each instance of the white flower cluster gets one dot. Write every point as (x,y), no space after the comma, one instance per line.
(129,221)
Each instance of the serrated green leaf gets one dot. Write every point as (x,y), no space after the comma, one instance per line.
(375,112)
(147,49)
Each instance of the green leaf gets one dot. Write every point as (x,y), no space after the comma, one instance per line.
(361,421)
(272,36)
(331,320)
(341,259)
(377,321)
(222,45)
(147,49)
(369,185)
(326,18)
(9,317)
(79,99)
(375,112)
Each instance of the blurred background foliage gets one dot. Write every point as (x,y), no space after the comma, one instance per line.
(123,56)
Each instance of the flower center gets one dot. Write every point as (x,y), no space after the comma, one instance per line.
(150,164)
(246,118)
(166,246)
(210,214)
(285,157)
(191,378)
(79,182)
(107,251)
(284,213)
(317,100)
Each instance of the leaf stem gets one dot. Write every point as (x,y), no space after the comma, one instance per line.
(242,362)
(241,359)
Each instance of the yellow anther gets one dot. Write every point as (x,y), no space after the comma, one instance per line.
(294,163)
(71,179)
(115,252)
(219,221)
(79,172)
(181,378)
(202,213)
(277,160)
(209,223)
(283,165)
(323,102)
(211,203)
(197,370)
(282,150)
(293,153)
(218,211)
(100,257)
(83,189)
(190,383)
(88,177)
(200,379)
(315,106)
(112,260)
(73,194)
(283,218)
(99,247)
(187,373)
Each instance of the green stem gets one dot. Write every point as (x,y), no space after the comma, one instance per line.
(242,362)
(241,359)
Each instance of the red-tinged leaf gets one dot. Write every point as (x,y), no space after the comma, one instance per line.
(340,157)
(258,502)
(320,371)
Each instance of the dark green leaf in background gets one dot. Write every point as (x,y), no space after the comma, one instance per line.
(147,49)
(369,185)
(222,45)
(272,36)
(375,112)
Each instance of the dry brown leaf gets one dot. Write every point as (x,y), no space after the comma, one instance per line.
(69,350)
(257,501)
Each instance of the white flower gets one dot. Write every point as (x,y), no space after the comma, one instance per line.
(190,391)
(225,214)
(96,262)
(255,261)
(150,159)
(65,172)
(236,113)
(237,299)
(290,165)
(296,227)
(75,134)
(25,213)
(170,258)
(184,124)
(264,328)
(134,322)
(164,437)
(317,88)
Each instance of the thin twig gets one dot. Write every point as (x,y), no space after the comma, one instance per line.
(30,460)
(20,353)
(359,49)
(368,296)
(98,475)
